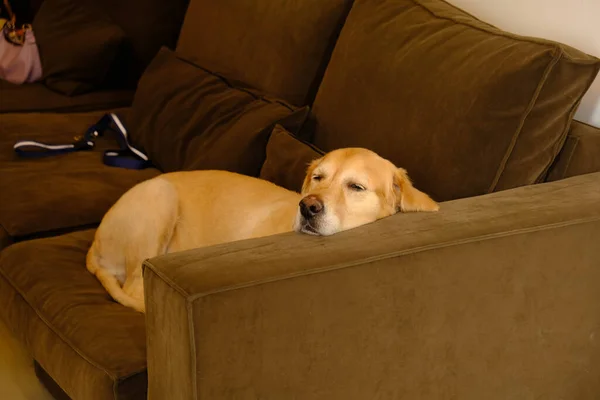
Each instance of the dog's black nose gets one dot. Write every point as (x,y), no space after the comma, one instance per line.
(310,206)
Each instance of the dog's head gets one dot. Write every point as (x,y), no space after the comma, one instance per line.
(350,187)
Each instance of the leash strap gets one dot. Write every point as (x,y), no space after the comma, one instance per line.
(126,156)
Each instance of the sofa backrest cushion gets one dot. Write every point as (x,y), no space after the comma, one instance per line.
(111,41)
(287,159)
(280,47)
(572,23)
(466,107)
(149,25)
(580,154)
(78,44)
(186,118)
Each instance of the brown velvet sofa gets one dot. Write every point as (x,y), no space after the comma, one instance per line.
(494,297)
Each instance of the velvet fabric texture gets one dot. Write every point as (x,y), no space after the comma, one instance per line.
(37,97)
(580,154)
(279,47)
(186,118)
(61,192)
(467,108)
(49,383)
(5,238)
(148,25)
(495,297)
(287,159)
(78,43)
(93,347)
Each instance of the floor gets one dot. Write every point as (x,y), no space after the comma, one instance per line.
(17,378)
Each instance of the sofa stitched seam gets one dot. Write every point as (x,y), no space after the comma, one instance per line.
(304,142)
(554,46)
(594,128)
(502,33)
(162,276)
(367,260)
(53,329)
(114,389)
(191,332)
(189,307)
(523,120)
(252,93)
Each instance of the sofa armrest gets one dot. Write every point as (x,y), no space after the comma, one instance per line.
(493,297)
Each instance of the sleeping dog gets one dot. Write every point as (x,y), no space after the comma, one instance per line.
(178,211)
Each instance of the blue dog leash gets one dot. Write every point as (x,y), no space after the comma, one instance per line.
(126,157)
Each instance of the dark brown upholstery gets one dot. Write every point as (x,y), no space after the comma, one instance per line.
(467,108)
(287,159)
(187,118)
(280,47)
(493,297)
(49,383)
(92,347)
(59,192)
(148,25)
(36,97)
(580,154)
(92,40)
(5,238)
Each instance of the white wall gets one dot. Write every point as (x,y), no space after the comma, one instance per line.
(573,22)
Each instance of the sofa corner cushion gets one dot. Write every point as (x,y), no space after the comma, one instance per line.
(287,159)
(466,107)
(59,192)
(93,347)
(278,47)
(78,43)
(580,154)
(186,118)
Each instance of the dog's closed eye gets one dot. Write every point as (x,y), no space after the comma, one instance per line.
(357,187)
(317,177)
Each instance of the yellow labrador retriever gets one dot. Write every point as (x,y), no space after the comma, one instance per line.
(177,211)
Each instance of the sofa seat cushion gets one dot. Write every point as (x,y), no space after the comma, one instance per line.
(60,192)
(36,97)
(465,107)
(93,347)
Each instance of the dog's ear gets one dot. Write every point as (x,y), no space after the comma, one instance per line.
(309,173)
(408,198)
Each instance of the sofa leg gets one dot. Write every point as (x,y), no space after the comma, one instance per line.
(49,383)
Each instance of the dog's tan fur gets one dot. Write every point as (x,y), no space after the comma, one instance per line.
(185,210)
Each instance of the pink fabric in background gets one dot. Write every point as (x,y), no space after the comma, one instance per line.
(20,64)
